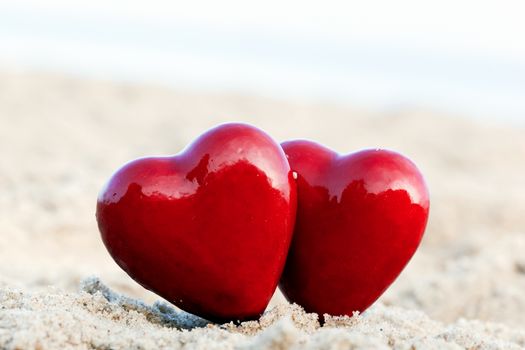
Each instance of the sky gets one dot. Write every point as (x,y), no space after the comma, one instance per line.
(465,57)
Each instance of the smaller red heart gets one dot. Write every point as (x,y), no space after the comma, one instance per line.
(360,219)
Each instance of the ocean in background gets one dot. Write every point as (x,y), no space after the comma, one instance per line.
(386,69)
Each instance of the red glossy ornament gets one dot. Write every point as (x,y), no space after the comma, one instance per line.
(360,218)
(208,229)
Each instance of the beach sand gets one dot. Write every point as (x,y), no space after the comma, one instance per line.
(62,137)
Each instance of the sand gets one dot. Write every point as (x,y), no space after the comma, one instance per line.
(97,318)
(62,137)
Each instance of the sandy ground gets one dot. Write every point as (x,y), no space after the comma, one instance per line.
(61,138)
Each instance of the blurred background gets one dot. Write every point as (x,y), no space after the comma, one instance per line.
(463,57)
(86,86)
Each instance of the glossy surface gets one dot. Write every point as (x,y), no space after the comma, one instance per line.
(360,218)
(208,229)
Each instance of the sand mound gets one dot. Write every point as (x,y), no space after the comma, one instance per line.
(98,318)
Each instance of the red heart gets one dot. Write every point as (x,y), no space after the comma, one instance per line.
(360,218)
(208,229)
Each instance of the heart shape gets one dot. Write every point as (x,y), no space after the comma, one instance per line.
(208,229)
(360,219)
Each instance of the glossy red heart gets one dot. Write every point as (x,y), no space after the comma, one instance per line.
(208,229)
(360,218)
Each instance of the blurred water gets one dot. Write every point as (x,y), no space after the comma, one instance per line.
(365,70)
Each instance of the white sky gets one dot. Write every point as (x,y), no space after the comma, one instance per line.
(464,25)
(441,53)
